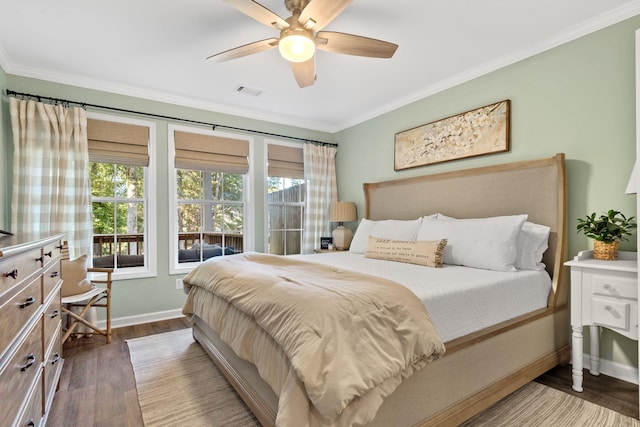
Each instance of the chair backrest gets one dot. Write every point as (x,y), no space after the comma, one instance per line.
(74,274)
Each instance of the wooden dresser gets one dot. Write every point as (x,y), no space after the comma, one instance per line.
(30,327)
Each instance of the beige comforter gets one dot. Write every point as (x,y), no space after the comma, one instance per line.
(344,333)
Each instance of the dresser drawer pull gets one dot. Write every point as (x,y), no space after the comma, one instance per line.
(608,308)
(13,273)
(31,360)
(55,359)
(27,302)
(54,314)
(49,254)
(54,274)
(31,423)
(40,259)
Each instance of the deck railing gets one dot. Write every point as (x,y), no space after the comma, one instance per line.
(133,244)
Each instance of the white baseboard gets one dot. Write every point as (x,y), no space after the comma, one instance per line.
(142,318)
(613,369)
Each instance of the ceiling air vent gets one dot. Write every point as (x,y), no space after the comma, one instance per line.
(248,90)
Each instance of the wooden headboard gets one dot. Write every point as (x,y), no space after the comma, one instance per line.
(534,187)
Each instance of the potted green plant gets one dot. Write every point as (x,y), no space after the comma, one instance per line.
(607,230)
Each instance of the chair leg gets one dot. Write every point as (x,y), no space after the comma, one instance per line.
(79,318)
(108,308)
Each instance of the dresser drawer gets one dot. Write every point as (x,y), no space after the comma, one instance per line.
(52,368)
(51,252)
(611,313)
(21,267)
(32,415)
(20,372)
(615,285)
(51,318)
(18,311)
(50,279)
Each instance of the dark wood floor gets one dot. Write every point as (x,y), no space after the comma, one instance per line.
(97,386)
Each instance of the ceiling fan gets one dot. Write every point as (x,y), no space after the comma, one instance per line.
(300,35)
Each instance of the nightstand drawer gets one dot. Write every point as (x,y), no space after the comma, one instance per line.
(610,313)
(618,286)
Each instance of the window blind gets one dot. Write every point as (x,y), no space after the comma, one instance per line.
(211,153)
(285,161)
(114,142)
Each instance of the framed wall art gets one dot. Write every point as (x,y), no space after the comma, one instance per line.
(484,130)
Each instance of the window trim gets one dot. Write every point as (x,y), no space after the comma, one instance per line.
(247,196)
(150,268)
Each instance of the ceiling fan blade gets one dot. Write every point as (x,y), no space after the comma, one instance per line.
(319,13)
(304,72)
(259,13)
(350,44)
(247,49)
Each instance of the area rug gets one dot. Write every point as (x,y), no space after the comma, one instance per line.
(179,385)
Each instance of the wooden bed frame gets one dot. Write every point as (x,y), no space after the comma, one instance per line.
(478,369)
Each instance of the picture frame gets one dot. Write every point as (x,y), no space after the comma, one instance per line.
(325,242)
(477,132)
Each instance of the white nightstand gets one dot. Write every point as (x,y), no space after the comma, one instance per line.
(603,294)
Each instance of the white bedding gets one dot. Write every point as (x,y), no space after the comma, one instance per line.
(460,300)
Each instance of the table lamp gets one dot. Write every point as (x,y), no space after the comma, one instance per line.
(342,212)
(632,186)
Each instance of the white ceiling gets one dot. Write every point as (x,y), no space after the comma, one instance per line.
(157,49)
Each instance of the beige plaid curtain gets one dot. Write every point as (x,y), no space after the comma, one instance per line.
(51,186)
(320,174)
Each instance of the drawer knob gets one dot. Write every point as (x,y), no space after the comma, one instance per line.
(54,314)
(54,274)
(56,358)
(607,286)
(31,423)
(40,259)
(49,254)
(608,308)
(27,302)
(31,359)
(13,273)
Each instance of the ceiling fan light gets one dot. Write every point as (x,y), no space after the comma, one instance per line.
(297,47)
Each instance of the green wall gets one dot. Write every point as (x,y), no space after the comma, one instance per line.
(577,98)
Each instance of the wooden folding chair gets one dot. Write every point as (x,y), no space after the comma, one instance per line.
(80,291)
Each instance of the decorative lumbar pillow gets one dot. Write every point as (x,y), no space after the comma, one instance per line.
(392,229)
(74,277)
(420,252)
(488,243)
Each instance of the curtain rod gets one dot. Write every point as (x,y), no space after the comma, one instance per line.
(160,116)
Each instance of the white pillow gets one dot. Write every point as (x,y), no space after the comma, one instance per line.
(488,243)
(361,237)
(533,241)
(392,229)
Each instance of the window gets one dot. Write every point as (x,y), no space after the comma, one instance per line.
(286,191)
(210,187)
(121,184)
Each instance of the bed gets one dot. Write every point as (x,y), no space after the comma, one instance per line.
(481,365)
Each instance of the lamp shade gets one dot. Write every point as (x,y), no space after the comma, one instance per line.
(632,186)
(342,212)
